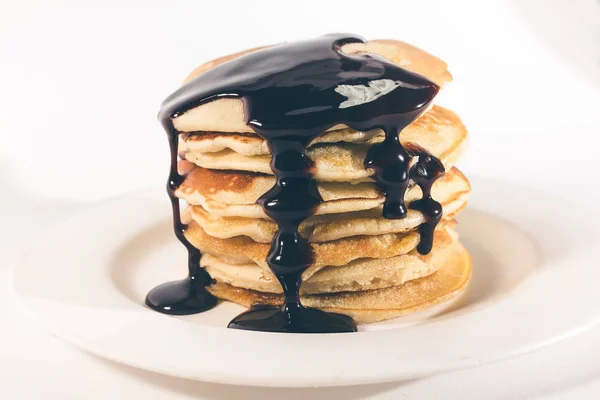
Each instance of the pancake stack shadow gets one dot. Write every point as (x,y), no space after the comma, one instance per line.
(365,266)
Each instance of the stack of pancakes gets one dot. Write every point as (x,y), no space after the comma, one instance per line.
(364,265)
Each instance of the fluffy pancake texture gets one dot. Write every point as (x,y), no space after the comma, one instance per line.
(452,191)
(234,193)
(242,249)
(369,306)
(439,131)
(357,275)
(436,128)
(364,265)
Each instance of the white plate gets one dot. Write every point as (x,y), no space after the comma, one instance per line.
(85,280)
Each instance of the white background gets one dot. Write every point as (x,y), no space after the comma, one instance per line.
(80,86)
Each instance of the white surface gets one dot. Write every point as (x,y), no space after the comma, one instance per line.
(89,290)
(61,145)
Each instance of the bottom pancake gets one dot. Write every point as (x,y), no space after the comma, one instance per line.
(373,305)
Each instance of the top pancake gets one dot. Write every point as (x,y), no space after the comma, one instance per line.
(227,114)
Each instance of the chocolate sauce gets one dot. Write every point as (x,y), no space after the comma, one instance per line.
(424,173)
(292,93)
(187,296)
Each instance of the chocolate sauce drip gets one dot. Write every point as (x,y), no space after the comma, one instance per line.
(424,173)
(292,93)
(293,199)
(390,160)
(187,296)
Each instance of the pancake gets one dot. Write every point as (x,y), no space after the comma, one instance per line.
(358,275)
(227,114)
(452,192)
(234,193)
(439,132)
(245,188)
(437,121)
(242,249)
(369,306)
